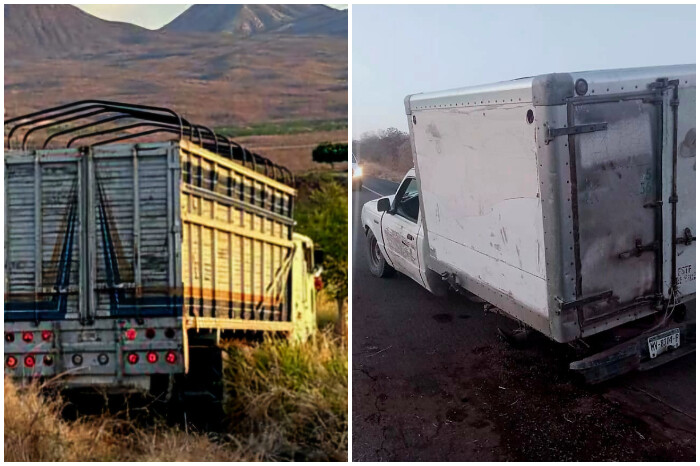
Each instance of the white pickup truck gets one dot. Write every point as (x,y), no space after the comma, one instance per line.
(566,201)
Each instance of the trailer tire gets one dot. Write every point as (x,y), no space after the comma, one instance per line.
(378,265)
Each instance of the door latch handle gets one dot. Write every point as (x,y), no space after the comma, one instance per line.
(410,237)
(639,249)
(687,237)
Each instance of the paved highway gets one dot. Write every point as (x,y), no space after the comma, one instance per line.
(433,381)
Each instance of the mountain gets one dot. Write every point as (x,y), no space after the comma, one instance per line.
(248,20)
(57,53)
(59,30)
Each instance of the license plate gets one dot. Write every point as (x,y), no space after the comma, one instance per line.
(663,341)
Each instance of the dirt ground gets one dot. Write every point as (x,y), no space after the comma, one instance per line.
(294,150)
(432,381)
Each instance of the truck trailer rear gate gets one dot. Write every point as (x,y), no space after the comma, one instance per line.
(113,253)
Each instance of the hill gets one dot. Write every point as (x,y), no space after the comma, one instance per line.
(57,53)
(247,20)
(64,30)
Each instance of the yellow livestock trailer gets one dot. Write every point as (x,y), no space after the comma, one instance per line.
(123,257)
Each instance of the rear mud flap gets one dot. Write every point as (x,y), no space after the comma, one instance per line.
(633,355)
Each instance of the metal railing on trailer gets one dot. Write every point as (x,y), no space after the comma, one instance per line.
(148,120)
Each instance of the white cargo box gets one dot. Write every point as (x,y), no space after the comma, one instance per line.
(567,200)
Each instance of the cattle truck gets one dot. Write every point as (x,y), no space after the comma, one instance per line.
(123,255)
(566,201)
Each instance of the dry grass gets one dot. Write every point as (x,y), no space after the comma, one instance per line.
(299,391)
(35,431)
(327,309)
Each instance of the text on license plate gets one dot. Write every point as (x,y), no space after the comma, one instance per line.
(663,341)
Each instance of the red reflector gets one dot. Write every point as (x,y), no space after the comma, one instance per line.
(152,357)
(318,283)
(131,334)
(27,337)
(9,337)
(171,357)
(150,333)
(46,335)
(29,361)
(133,358)
(11,361)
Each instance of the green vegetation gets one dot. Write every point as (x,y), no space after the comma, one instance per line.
(298,390)
(330,153)
(322,214)
(282,127)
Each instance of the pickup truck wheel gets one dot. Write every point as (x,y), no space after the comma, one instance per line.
(377,264)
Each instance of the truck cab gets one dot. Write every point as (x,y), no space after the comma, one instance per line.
(394,230)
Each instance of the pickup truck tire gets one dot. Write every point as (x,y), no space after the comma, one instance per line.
(377,264)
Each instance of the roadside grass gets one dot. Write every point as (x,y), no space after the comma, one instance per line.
(282,127)
(297,390)
(36,431)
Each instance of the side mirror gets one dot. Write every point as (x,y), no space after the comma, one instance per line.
(318,257)
(383,204)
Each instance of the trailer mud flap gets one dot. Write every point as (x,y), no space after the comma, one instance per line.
(634,354)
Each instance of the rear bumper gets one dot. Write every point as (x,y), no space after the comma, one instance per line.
(101,353)
(633,355)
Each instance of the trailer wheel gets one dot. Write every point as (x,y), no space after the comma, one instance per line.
(377,264)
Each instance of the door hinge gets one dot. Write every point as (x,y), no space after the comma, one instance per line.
(577,129)
(639,249)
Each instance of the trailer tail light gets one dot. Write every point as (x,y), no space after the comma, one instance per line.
(27,337)
(130,334)
(77,359)
(46,335)
(133,358)
(152,357)
(11,362)
(29,361)
(48,360)
(169,333)
(171,357)
(103,359)
(318,283)
(9,337)
(150,333)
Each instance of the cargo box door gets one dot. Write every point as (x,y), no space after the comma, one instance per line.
(615,191)
(129,194)
(42,235)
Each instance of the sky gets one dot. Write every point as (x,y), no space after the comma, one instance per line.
(148,16)
(404,49)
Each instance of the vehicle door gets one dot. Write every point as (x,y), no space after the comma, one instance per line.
(400,230)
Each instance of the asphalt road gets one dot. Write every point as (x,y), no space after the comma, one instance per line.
(433,381)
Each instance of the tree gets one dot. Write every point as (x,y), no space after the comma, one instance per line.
(324,218)
(330,153)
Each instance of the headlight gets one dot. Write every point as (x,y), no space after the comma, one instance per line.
(357,172)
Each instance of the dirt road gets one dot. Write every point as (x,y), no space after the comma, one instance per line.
(433,381)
